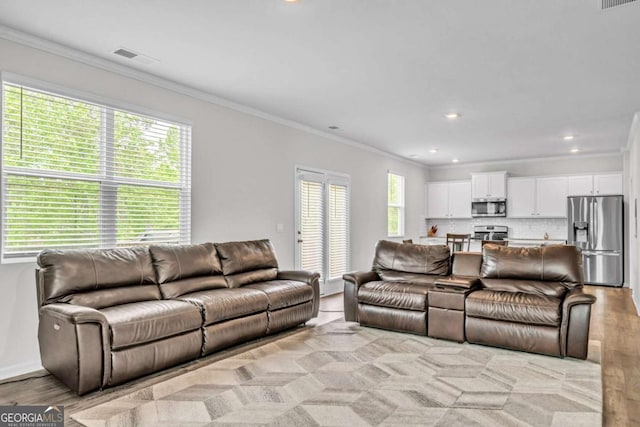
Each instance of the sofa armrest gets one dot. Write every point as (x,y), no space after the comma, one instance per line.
(311,278)
(360,277)
(577,296)
(574,330)
(352,282)
(75,345)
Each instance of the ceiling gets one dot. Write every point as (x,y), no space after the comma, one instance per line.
(521,73)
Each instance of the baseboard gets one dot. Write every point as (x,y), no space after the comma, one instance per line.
(20,370)
(635,297)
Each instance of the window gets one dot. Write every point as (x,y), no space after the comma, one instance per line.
(395,202)
(76,174)
(322,240)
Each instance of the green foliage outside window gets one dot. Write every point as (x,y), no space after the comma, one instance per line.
(71,167)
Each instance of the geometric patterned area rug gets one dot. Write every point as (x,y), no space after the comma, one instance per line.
(342,374)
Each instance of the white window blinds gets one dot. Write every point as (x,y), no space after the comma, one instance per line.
(80,175)
(338,230)
(322,204)
(311,233)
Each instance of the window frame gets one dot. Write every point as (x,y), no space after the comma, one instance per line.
(107,239)
(400,206)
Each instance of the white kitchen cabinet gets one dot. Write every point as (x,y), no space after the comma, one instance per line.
(551,197)
(607,184)
(449,199)
(595,185)
(438,200)
(537,197)
(460,199)
(489,185)
(521,197)
(580,185)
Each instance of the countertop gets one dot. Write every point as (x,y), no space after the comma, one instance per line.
(509,239)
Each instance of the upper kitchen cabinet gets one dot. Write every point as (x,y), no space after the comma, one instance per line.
(521,200)
(537,197)
(489,185)
(595,185)
(551,196)
(449,199)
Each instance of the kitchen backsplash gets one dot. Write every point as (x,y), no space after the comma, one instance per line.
(518,227)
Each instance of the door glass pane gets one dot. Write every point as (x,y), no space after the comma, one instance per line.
(338,230)
(311,227)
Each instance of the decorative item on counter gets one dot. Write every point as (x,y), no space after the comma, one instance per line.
(546,236)
(432,231)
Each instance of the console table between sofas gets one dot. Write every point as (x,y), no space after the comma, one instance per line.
(447,308)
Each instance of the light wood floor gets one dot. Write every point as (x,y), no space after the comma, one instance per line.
(613,322)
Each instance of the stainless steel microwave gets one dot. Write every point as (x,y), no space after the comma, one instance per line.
(482,208)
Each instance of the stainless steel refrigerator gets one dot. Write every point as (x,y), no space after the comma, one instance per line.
(596,226)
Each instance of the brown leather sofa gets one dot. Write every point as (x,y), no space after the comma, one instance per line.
(527,299)
(107,316)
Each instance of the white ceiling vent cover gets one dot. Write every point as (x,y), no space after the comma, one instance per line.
(608,4)
(134,56)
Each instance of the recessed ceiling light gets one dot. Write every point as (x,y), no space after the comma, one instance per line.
(455,160)
(433,150)
(568,137)
(334,127)
(575,150)
(291,1)
(452,116)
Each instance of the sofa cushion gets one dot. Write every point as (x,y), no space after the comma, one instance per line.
(421,259)
(176,262)
(284,293)
(556,263)
(68,272)
(551,289)
(408,296)
(183,269)
(515,307)
(223,304)
(141,322)
(247,262)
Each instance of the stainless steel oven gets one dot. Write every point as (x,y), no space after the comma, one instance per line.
(490,232)
(483,208)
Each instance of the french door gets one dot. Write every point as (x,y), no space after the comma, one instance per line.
(322,226)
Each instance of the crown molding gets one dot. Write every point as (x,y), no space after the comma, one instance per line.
(526,160)
(51,47)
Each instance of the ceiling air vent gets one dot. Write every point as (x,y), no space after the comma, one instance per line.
(126,53)
(608,4)
(134,56)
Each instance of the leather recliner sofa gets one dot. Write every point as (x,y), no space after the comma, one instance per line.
(527,299)
(108,316)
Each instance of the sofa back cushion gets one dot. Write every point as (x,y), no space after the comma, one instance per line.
(96,277)
(182,269)
(555,263)
(409,258)
(247,262)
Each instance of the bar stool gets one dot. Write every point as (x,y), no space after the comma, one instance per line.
(457,241)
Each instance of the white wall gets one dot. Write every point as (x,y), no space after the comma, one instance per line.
(633,185)
(551,166)
(243,183)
